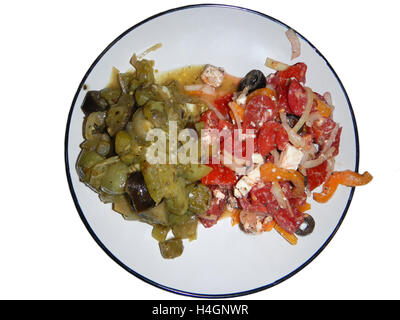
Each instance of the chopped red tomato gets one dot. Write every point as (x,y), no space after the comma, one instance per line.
(297,97)
(296,71)
(289,220)
(210,119)
(317,175)
(216,208)
(271,135)
(282,94)
(336,143)
(224,125)
(248,205)
(222,104)
(220,176)
(259,110)
(321,130)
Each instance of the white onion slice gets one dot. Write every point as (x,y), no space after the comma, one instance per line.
(235,115)
(207,89)
(276,190)
(294,42)
(276,65)
(328,98)
(275,154)
(193,87)
(135,58)
(316,162)
(294,138)
(283,202)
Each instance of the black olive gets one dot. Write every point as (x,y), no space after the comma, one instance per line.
(137,191)
(254,80)
(306,227)
(292,119)
(93,102)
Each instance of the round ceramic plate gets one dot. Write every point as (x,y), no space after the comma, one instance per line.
(223,261)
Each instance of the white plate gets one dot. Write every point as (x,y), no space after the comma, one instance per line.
(223,261)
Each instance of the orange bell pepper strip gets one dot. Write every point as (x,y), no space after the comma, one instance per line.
(235,215)
(261,92)
(304,207)
(347,178)
(323,108)
(290,237)
(268,224)
(236,109)
(272,173)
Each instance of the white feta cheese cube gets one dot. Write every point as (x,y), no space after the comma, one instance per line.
(213,75)
(244,185)
(218,194)
(290,157)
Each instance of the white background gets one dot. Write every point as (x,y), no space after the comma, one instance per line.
(47,46)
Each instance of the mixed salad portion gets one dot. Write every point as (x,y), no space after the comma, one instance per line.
(263,146)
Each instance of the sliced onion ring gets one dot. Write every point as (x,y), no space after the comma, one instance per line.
(294,138)
(294,42)
(316,162)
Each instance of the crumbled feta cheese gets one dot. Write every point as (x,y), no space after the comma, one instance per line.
(212,75)
(241,99)
(258,226)
(290,157)
(218,194)
(257,158)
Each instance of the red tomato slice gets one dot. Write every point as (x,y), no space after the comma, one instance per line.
(259,110)
(297,98)
(317,175)
(220,176)
(272,135)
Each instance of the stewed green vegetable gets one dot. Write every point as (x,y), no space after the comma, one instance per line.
(113,161)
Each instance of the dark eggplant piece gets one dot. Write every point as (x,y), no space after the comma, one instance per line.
(253,80)
(93,102)
(137,191)
(306,227)
(157,215)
